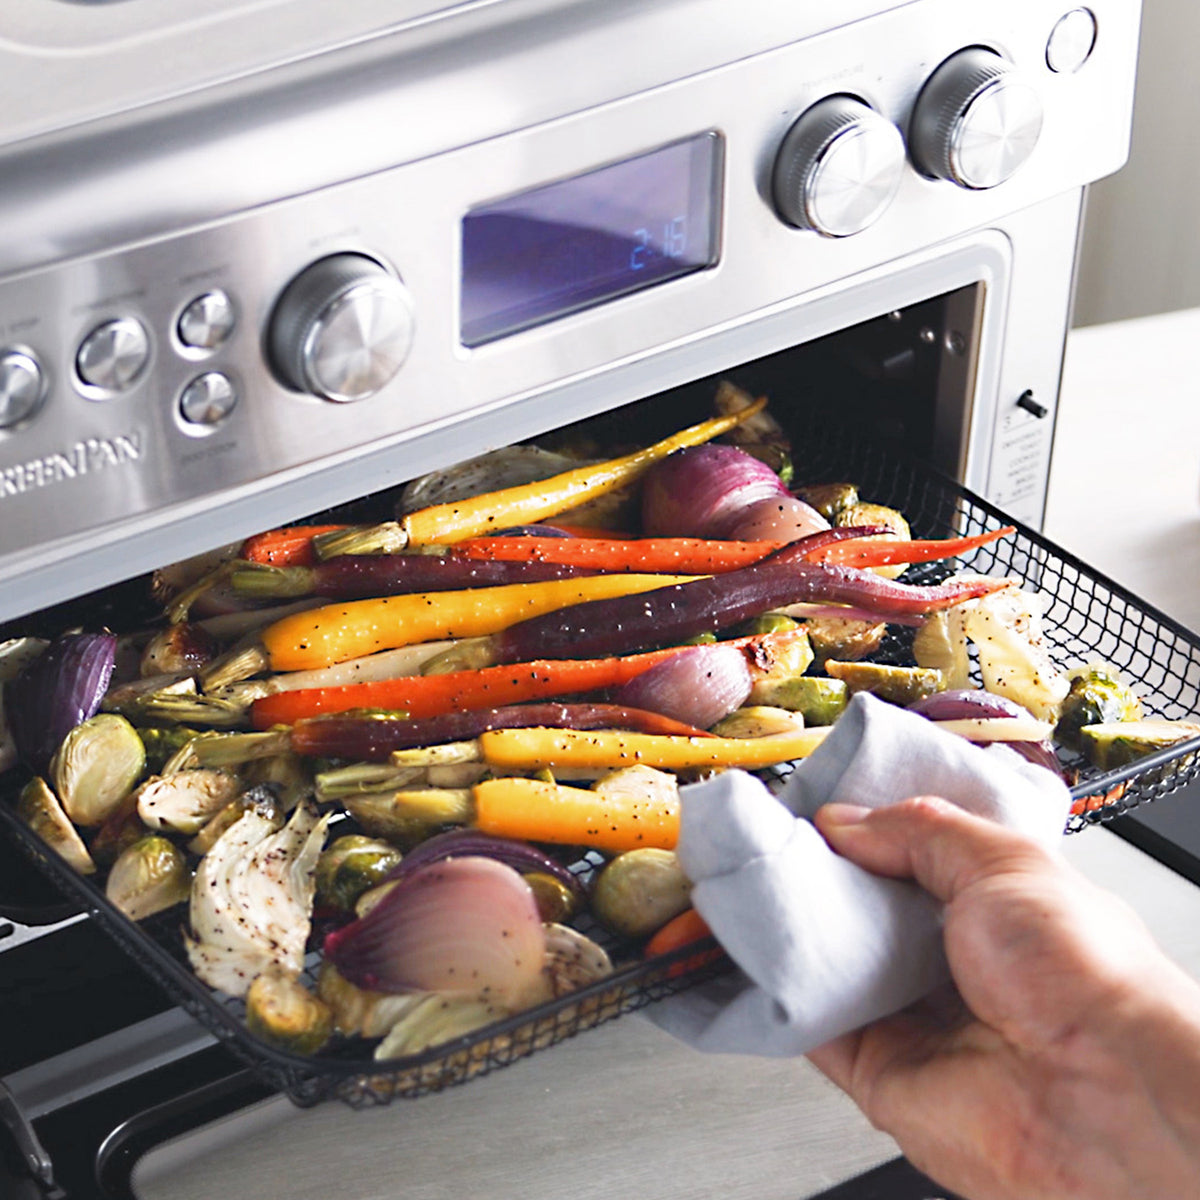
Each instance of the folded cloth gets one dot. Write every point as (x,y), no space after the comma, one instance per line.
(823,946)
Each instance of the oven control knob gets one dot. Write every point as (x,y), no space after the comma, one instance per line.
(976,120)
(837,168)
(341,329)
(22,386)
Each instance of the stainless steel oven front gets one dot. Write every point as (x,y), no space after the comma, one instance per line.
(256,269)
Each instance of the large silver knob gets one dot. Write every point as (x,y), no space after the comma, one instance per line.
(837,168)
(976,120)
(341,329)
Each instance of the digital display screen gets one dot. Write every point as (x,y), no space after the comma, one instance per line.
(581,241)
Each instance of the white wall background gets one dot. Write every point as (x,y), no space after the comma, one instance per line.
(1141,240)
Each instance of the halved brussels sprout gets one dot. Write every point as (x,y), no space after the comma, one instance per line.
(759,720)
(283,1012)
(96,766)
(843,639)
(185,801)
(900,685)
(639,891)
(789,663)
(1119,743)
(39,808)
(1096,697)
(830,499)
(555,901)
(261,799)
(351,865)
(149,876)
(818,700)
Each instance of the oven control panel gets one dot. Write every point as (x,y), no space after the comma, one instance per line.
(182,390)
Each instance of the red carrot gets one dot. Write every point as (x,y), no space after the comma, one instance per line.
(883,552)
(682,931)
(290,546)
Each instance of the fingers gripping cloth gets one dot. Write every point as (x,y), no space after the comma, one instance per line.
(823,946)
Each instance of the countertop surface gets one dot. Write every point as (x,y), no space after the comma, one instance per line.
(625,1110)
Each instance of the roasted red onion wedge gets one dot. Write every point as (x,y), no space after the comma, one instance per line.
(60,688)
(968,703)
(467,925)
(698,686)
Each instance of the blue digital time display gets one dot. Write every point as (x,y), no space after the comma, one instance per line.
(578,242)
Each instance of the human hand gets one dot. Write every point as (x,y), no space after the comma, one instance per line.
(1068,1065)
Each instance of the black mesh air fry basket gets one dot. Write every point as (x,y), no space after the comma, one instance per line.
(1089,618)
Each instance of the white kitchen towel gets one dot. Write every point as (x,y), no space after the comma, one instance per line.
(823,946)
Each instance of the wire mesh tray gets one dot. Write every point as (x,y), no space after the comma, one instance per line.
(1089,617)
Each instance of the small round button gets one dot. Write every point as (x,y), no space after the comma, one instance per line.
(976,121)
(1072,41)
(22,386)
(208,399)
(113,355)
(838,168)
(207,321)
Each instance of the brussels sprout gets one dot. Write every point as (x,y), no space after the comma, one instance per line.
(350,866)
(845,640)
(261,799)
(759,720)
(640,891)
(149,876)
(1096,697)
(878,514)
(283,1012)
(96,766)
(900,685)
(830,499)
(162,742)
(789,663)
(818,700)
(39,808)
(122,827)
(186,800)
(555,901)
(768,622)
(1119,743)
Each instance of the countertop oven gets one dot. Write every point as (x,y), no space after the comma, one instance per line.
(258,268)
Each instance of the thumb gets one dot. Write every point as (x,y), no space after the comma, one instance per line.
(941,846)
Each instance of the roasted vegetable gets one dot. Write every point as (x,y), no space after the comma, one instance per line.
(1119,743)
(820,701)
(359,1011)
(432,1018)
(180,648)
(698,686)
(572,960)
(847,641)
(830,499)
(1096,697)
(351,865)
(185,801)
(467,925)
(640,891)
(39,808)
(60,688)
(899,685)
(284,1013)
(252,898)
(759,720)
(262,799)
(149,876)
(862,513)
(96,766)
(787,667)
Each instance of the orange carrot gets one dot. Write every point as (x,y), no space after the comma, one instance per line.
(290,546)
(678,932)
(882,552)
(532,810)
(422,696)
(336,632)
(693,556)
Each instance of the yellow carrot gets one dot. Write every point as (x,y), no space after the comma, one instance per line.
(551,812)
(608,749)
(533,502)
(333,633)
